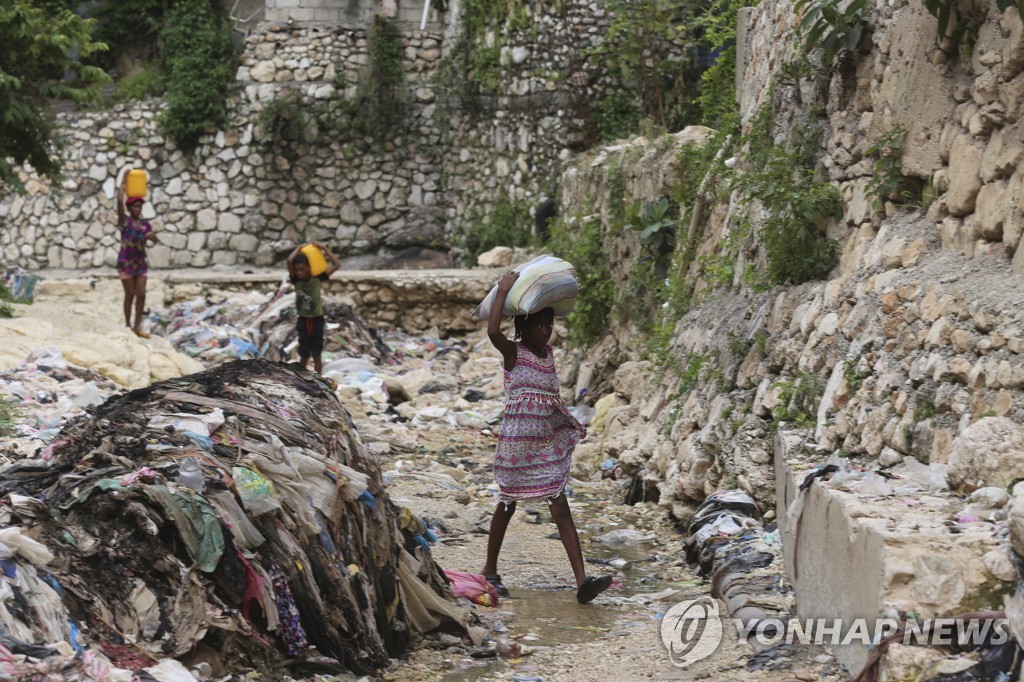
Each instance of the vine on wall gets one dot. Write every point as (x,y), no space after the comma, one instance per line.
(378,111)
(199,59)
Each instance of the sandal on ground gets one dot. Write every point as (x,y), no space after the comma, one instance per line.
(592,587)
(495,581)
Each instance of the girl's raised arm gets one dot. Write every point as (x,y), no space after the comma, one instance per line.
(120,204)
(500,341)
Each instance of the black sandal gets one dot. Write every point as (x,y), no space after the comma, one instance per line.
(592,587)
(495,581)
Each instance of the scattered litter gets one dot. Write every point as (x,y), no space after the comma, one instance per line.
(157,541)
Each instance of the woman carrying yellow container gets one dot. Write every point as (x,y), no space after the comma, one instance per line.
(132,266)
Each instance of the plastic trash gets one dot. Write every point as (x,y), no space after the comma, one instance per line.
(190,474)
(24,546)
(255,490)
(87,397)
(626,536)
(584,414)
(872,484)
(927,477)
(473,587)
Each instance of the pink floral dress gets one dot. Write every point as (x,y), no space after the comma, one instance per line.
(537,434)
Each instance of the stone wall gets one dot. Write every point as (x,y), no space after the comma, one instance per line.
(912,350)
(240,198)
(433,302)
(351,12)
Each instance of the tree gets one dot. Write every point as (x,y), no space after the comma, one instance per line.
(41,48)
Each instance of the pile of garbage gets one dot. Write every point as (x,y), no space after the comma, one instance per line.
(218,327)
(18,286)
(40,395)
(743,560)
(234,511)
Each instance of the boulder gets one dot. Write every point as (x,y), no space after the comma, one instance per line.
(988,452)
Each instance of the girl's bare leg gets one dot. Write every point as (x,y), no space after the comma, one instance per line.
(499,523)
(570,538)
(129,295)
(140,301)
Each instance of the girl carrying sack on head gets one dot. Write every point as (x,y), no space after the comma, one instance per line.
(537,435)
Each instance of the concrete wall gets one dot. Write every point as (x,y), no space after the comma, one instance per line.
(352,12)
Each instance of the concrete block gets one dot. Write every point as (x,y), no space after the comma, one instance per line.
(850,557)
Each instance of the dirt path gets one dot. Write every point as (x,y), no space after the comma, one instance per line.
(436,448)
(617,636)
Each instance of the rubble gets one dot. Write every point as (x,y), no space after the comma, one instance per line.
(222,326)
(287,539)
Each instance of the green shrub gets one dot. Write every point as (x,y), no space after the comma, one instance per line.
(377,112)
(507,223)
(887,182)
(147,82)
(656,222)
(9,413)
(199,59)
(582,244)
(282,121)
(832,25)
(782,176)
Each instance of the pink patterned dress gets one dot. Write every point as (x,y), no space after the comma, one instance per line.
(537,434)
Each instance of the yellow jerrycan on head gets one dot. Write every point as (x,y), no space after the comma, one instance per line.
(317,261)
(135,183)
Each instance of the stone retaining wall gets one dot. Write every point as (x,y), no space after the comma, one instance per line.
(440,302)
(911,349)
(243,198)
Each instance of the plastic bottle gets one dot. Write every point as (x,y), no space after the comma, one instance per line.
(190,474)
(135,185)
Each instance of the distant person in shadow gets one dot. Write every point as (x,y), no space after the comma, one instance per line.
(545,214)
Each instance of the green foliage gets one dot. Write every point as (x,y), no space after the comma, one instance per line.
(507,223)
(136,24)
(656,223)
(888,183)
(582,244)
(691,373)
(640,55)
(850,376)
(798,399)
(965,31)
(9,414)
(616,115)
(36,40)
(149,81)
(281,123)
(473,65)
(798,202)
(6,297)
(717,30)
(761,342)
(200,62)
(924,409)
(739,347)
(832,26)
(377,112)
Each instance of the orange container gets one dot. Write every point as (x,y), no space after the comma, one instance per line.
(317,261)
(135,185)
